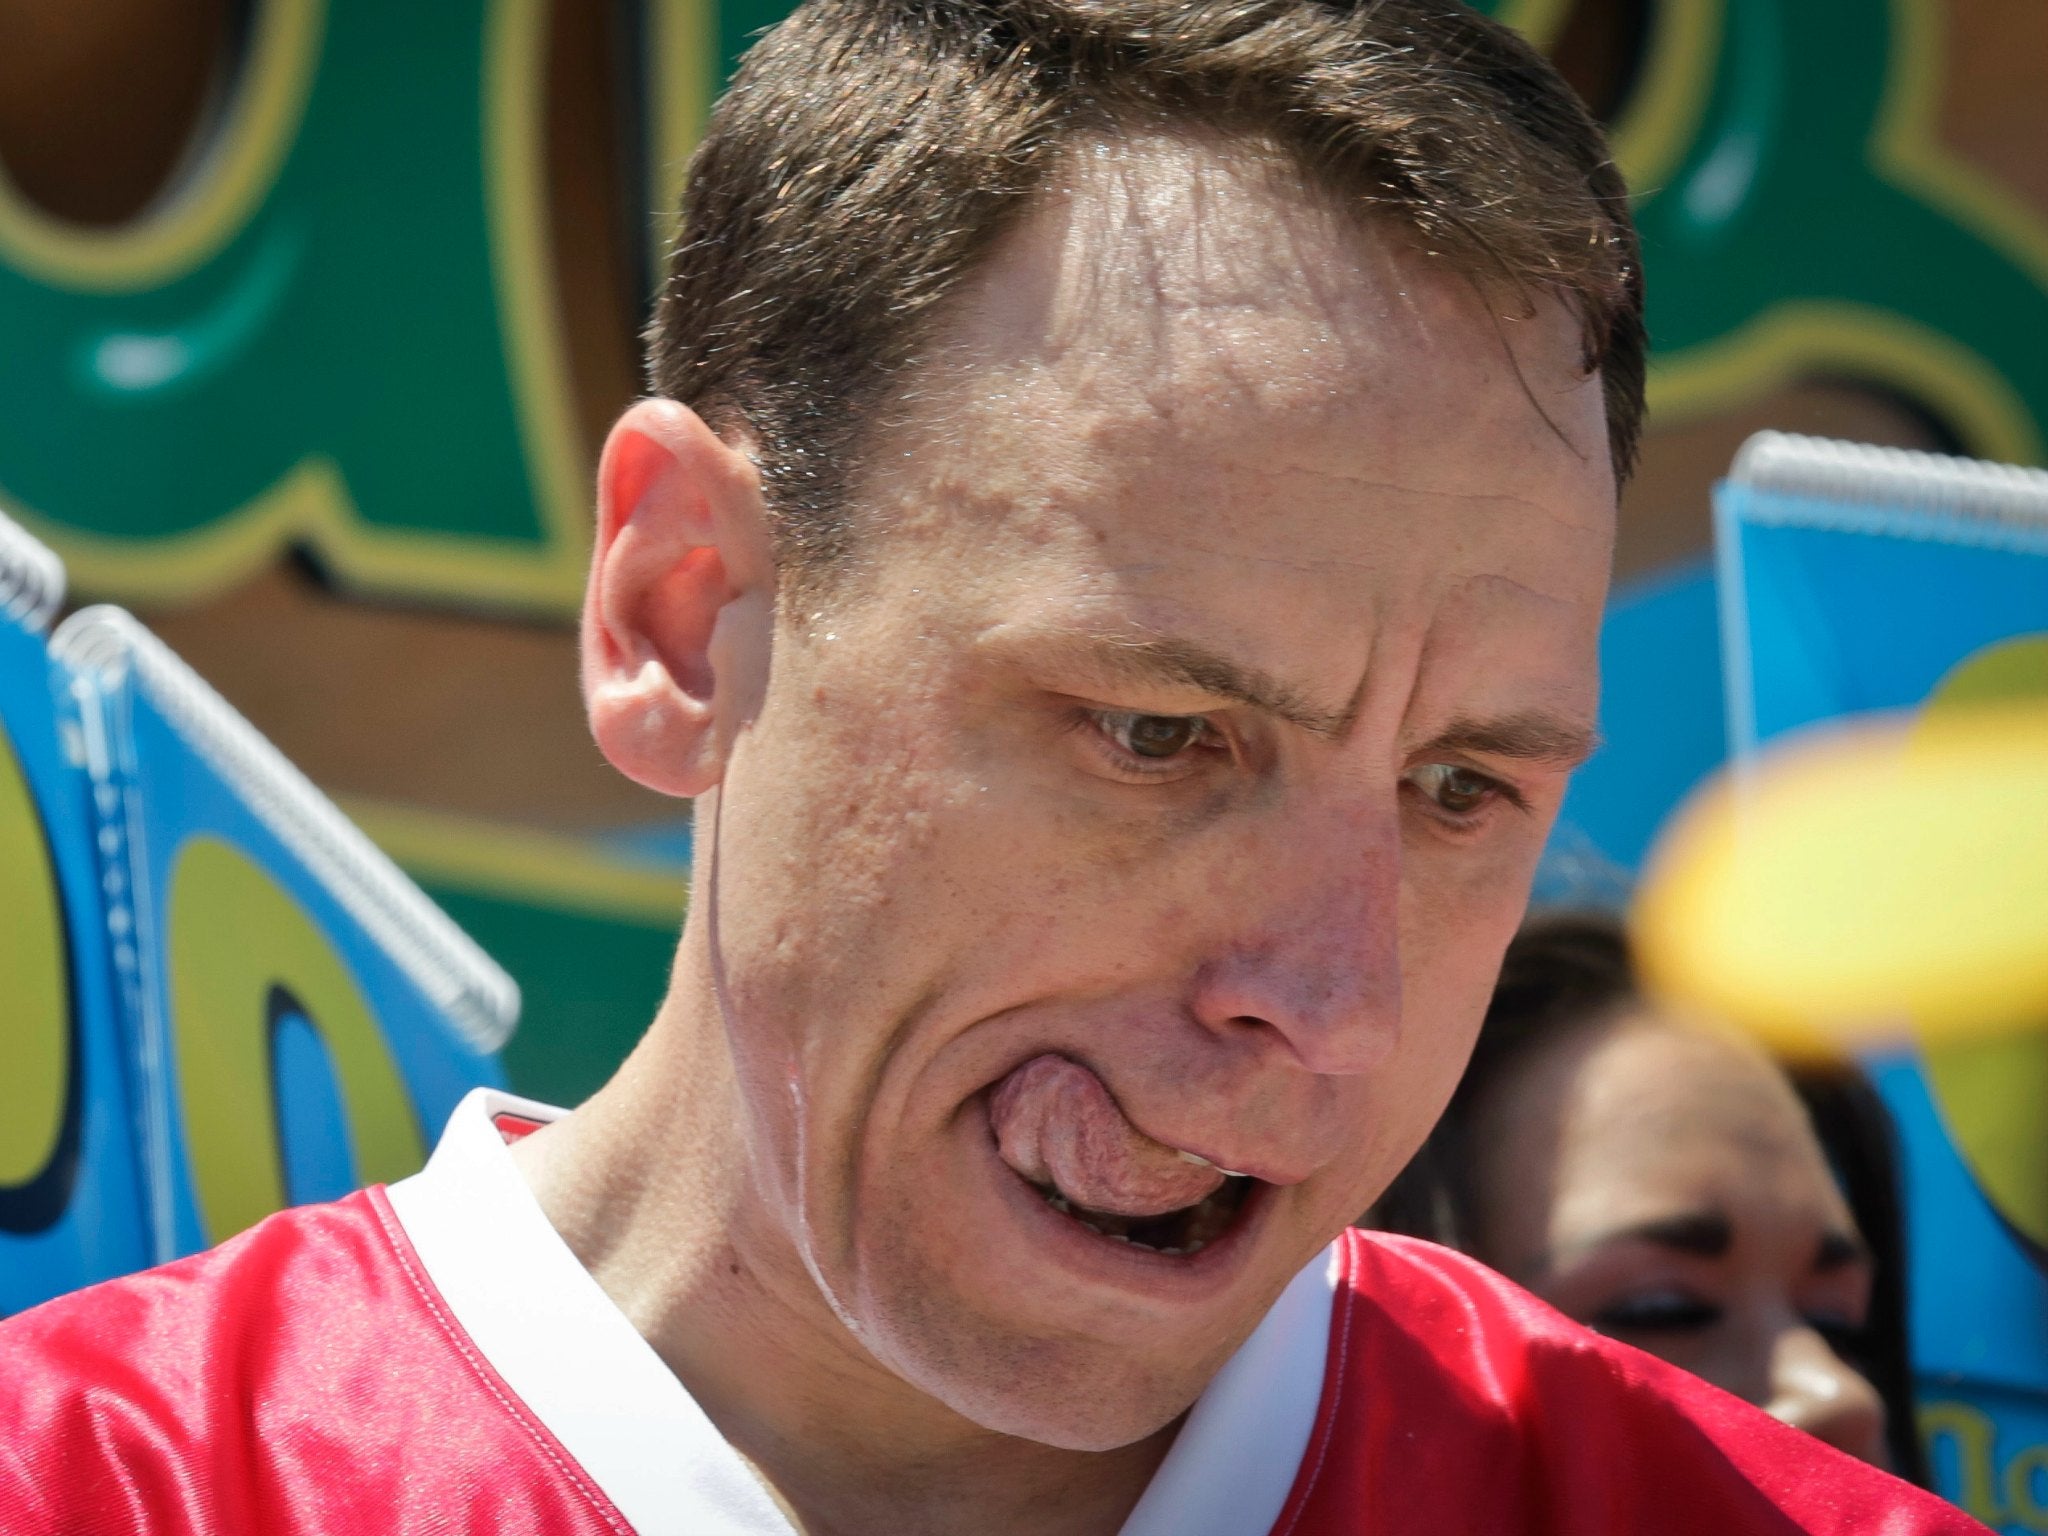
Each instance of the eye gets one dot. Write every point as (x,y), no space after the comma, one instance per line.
(1663,1310)
(1140,748)
(1156,738)
(1457,790)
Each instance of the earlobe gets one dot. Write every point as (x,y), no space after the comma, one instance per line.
(679,563)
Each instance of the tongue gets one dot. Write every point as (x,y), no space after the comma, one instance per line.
(1056,1124)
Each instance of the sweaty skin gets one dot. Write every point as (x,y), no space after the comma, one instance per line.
(1056,1124)
(1195,444)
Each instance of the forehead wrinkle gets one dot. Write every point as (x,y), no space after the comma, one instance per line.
(1380,489)
(1561,738)
(1504,582)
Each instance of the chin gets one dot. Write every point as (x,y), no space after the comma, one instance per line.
(1076,1377)
(1072,1394)
(1020,1316)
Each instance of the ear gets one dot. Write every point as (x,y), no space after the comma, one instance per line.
(679,616)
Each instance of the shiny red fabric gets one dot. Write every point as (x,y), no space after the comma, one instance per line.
(1454,1402)
(306,1377)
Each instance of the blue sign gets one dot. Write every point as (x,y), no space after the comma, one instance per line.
(304,1017)
(1854,580)
(70,1202)
(221,999)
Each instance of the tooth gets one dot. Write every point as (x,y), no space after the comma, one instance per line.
(1202,1162)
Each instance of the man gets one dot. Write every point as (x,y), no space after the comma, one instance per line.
(1116,558)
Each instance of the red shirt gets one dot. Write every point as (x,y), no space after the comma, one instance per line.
(318,1374)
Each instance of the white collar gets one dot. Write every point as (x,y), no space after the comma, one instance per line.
(1234,1462)
(558,1341)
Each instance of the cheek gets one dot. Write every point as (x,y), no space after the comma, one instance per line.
(1457,915)
(1453,934)
(821,896)
(829,816)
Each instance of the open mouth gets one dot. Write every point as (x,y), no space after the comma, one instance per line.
(1061,1132)
(1176,1234)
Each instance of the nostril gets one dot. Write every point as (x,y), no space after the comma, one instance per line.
(1335,1021)
(1311,954)
(1326,1041)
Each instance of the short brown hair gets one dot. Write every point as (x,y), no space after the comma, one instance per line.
(869,152)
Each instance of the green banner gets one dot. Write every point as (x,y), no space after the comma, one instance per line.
(340,331)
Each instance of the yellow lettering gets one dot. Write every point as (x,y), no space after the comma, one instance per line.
(1972,1433)
(35,1039)
(235,938)
(2020,1487)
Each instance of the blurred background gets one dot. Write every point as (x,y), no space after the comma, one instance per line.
(312,316)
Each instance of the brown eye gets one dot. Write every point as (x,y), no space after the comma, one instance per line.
(1461,791)
(1154,736)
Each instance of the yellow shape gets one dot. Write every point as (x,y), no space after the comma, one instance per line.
(2010,672)
(1993,1093)
(1856,881)
(35,1030)
(235,938)
(1993,1096)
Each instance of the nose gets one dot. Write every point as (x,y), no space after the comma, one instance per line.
(1313,947)
(1815,1389)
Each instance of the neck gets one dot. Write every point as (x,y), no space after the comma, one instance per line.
(652,1189)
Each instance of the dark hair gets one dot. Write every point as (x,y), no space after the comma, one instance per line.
(869,152)
(1570,971)
(1561,973)
(1862,1145)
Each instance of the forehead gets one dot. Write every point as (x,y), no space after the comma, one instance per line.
(1185,372)
(1649,1116)
(1167,278)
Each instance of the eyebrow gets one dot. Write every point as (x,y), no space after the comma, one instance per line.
(1709,1235)
(1531,736)
(1168,659)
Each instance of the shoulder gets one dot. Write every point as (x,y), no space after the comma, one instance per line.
(203,1320)
(162,1378)
(1456,1400)
(283,1381)
(193,1326)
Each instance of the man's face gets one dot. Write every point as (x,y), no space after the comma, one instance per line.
(1167,778)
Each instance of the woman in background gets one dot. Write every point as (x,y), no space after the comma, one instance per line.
(1673,1188)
